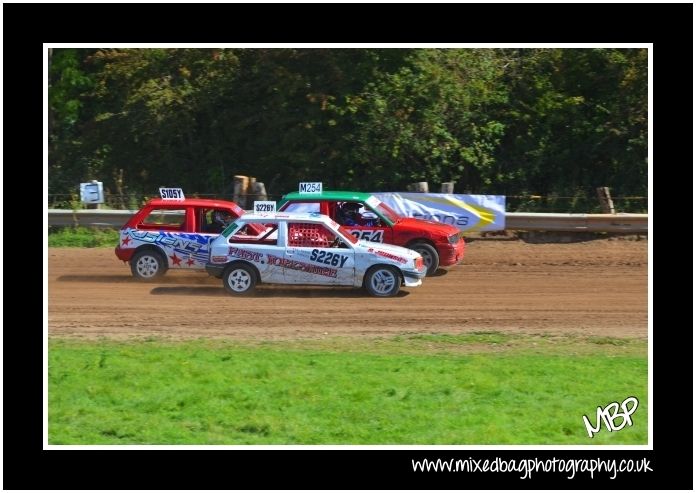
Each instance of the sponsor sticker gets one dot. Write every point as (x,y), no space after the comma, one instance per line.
(301,266)
(391,256)
(244,254)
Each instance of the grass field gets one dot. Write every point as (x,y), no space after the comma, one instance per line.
(82,237)
(475,388)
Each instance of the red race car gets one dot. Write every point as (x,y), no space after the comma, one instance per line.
(368,218)
(173,233)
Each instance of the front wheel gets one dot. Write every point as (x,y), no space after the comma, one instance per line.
(383,281)
(147,265)
(431,259)
(239,279)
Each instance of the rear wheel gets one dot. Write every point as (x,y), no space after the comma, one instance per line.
(383,281)
(431,259)
(239,279)
(147,265)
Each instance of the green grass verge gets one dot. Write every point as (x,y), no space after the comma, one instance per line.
(83,237)
(418,389)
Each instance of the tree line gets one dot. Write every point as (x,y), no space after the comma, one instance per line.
(519,122)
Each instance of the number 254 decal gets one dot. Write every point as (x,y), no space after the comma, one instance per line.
(328,258)
(361,234)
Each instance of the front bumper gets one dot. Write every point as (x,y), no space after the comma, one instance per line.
(451,254)
(413,278)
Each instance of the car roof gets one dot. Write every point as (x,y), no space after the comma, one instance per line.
(192,203)
(341,195)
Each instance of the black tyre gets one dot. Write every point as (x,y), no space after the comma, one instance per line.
(383,281)
(147,265)
(239,279)
(431,259)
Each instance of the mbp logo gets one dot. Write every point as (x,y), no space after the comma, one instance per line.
(609,414)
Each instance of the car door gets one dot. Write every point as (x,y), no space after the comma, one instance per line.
(168,228)
(187,247)
(314,256)
(261,249)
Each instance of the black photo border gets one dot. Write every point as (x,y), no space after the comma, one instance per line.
(27,26)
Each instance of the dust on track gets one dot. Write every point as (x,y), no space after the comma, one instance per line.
(593,288)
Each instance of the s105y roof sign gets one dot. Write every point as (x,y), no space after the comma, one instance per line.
(171,193)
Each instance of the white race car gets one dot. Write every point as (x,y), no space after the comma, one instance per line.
(308,248)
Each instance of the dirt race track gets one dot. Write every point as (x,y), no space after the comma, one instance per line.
(597,287)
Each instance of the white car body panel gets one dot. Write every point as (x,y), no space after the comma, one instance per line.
(290,263)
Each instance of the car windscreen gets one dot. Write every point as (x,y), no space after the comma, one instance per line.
(238,211)
(390,214)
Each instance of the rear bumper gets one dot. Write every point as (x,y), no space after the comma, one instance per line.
(124,254)
(451,254)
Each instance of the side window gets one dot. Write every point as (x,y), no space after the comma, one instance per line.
(205,220)
(310,235)
(169,218)
(270,237)
(355,214)
(256,234)
(214,220)
(303,207)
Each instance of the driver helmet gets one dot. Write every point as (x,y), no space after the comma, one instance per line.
(351,210)
(222,218)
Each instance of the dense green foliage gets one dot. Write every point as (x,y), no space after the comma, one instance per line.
(549,122)
(486,388)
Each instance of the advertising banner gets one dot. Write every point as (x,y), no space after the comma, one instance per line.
(467,212)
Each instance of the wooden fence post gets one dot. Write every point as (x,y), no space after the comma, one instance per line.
(258,191)
(605,200)
(241,183)
(421,186)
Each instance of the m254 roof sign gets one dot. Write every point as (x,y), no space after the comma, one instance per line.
(171,193)
(310,187)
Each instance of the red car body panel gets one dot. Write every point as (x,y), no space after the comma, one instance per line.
(194,208)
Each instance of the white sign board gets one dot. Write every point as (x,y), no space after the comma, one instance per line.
(311,187)
(261,206)
(466,212)
(171,193)
(92,192)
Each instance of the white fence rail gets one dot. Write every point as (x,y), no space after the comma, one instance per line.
(609,223)
(519,221)
(88,217)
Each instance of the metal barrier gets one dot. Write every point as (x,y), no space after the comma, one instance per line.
(88,217)
(607,223)
(520,221)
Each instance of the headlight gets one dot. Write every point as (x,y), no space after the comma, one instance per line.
(454,239)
